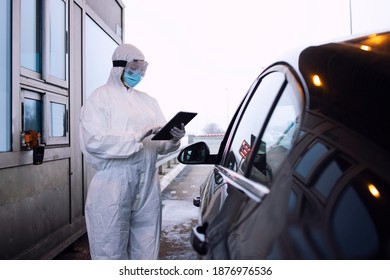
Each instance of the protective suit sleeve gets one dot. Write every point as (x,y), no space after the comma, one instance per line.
(168,146)
(101,141)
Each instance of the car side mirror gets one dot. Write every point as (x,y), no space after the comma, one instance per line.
(197,153)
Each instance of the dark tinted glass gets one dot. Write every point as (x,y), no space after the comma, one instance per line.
(330,175)
(359,221)
(311,157)
(353,227)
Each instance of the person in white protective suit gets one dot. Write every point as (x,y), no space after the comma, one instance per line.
(123,206)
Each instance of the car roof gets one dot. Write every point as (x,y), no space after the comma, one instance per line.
(352,84)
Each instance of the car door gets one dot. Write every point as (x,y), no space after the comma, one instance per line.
(246,120)
(256,147)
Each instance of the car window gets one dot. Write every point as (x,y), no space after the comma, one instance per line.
(278,137)
(330,175)
(311,158)
(359,220)
(252,120)
(353,227)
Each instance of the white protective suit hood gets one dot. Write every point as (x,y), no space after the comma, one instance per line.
(123,206)
(126,53)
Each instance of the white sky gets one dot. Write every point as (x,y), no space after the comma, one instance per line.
(204,54)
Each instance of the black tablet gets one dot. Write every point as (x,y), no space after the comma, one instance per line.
(176,121)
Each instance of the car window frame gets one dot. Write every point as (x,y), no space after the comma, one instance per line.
(230,135)
(231,130)
(292,78)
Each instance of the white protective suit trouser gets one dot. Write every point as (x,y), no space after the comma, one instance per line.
(123,207)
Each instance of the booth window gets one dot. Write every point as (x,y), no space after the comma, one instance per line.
(96,70)
(53,129)
(55,106)
(32,119)
(57,119)
(31,35)
(5,76)
(44,40)
(58,41)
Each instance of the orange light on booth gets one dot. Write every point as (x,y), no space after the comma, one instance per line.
(316,80)
(374,191)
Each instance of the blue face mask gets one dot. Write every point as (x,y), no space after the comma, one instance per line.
(132,80)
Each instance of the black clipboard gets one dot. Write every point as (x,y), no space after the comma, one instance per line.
(181,117)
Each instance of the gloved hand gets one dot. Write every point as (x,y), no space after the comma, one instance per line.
(143,134)
(178,133)
(156,129)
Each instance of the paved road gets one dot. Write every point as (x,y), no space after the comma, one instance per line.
(179,215)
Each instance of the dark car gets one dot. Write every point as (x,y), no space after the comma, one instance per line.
(303,171)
